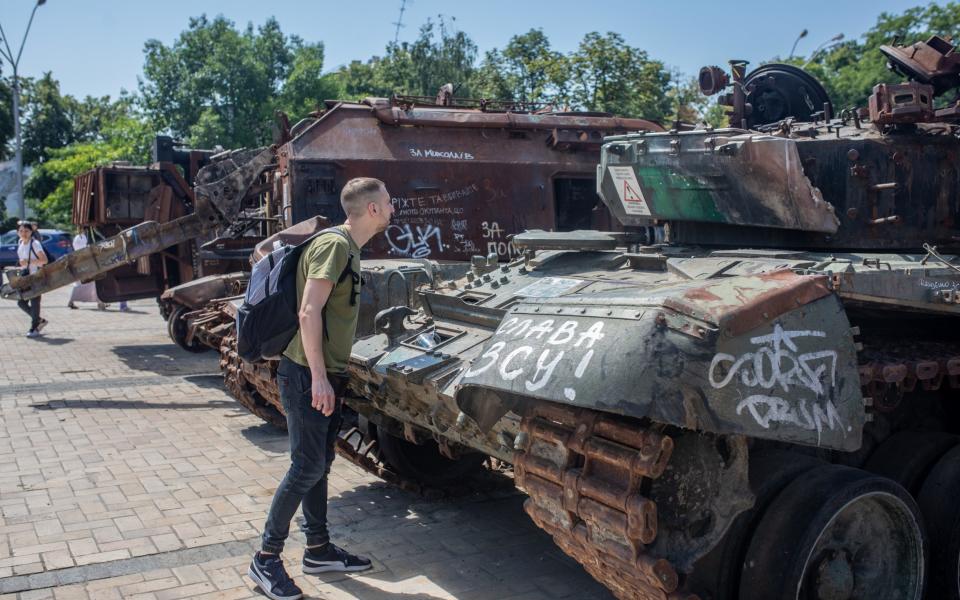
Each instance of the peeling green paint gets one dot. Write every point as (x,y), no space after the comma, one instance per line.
(674,195)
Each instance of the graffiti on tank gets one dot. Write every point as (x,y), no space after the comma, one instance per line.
(785,386)
(434,153)
(530,350)
(414,241)
(503,248)
(420,207)
(491,230)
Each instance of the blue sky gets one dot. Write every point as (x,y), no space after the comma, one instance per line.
(96,46)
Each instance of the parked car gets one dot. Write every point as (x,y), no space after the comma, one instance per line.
(55,243)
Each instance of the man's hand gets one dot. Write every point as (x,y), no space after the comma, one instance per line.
(323,397)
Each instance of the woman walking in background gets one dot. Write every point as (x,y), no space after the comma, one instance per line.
(83,292)
(31,256)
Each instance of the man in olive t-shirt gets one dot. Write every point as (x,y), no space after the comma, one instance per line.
(330,257)
(311,377)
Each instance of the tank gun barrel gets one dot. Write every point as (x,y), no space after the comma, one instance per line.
(221,188)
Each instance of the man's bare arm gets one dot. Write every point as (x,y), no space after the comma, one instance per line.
(316,292)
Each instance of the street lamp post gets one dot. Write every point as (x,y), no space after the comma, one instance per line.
(802,35)
(827,44)
(15,63)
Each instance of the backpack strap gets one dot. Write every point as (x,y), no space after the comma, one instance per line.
(33,251)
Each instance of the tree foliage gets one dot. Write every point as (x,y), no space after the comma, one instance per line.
(6,121)
(603,74)
(438,56)
(218,85)
(609,75)
(526,70)
(47,116)
(849,70)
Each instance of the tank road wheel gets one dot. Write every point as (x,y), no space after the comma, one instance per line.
(717,574)
(423,462)
(837,533)
(177,330)
(939,504)
(908,456)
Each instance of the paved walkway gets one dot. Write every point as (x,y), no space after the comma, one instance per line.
(127,472)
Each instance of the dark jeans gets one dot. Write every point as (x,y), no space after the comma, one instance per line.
(32,308)
(312,438)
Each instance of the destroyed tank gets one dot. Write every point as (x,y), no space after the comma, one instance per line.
(449,163)
(751,391)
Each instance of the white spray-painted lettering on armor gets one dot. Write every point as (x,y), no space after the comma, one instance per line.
(776,368)
(433,153)
(536,347)
(414,241)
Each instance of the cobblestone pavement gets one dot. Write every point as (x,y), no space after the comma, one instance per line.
(127,472)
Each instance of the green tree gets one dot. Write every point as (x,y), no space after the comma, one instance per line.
(6,121)
(218,85)
(46,121)
(526,70)
(306,87)
(609,75)
(850,70)
(438,56)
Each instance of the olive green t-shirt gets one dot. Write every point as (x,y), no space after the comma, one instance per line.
(325,258)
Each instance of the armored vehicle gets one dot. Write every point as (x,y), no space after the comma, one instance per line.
(464,175)
(751,391)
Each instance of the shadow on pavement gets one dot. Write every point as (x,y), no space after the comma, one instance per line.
(166,359)
(51,341)
(210,381)
(460,547)
(123,403)
(265,436)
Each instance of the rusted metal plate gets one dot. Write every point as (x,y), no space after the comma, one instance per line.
(461,181)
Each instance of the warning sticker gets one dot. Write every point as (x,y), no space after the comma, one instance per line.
(631,195)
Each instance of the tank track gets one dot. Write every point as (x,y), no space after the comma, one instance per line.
(248,385)
(584,473)
(254,387)
(908,367)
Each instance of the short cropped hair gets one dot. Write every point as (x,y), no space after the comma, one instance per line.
(357,193)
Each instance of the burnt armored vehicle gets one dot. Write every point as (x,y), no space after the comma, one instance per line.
(465,175)
(109,199)
(750,392)
(112,198)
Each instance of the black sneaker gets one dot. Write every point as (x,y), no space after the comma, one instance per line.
(272,579)
(43,323)
(333,558)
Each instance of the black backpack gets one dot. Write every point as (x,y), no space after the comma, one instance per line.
(269,316)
